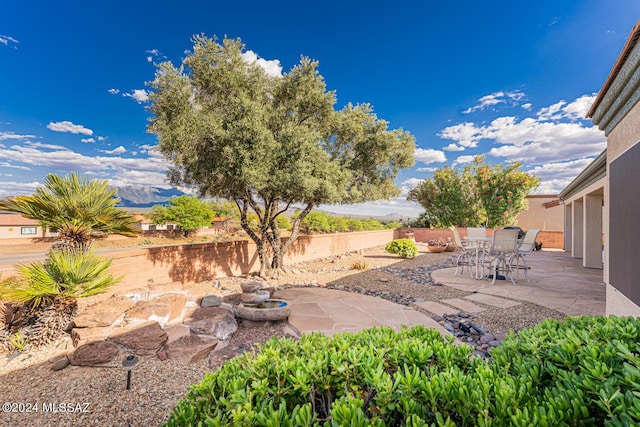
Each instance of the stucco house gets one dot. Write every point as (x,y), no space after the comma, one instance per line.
(15,226)
(602,205)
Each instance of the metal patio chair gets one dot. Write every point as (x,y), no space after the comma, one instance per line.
(519,261)
(503,249)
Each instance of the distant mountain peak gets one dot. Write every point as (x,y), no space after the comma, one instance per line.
(145,196)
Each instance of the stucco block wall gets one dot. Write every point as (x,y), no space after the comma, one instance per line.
(205,261)
(539,216)
(549,239)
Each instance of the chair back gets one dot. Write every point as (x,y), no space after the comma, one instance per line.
(504,241)
(476,232)
(529,241)
(456,237)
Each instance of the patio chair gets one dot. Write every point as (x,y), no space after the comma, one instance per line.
(503,249)
(466,257)
(518,261)
(476,232)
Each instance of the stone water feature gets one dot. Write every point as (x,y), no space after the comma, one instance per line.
(257,306)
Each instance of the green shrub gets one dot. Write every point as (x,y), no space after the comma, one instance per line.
(405,248)
(283,222)
(355,224)
(585,371)
(338,223)
(372,224)
(316,221)
(66,274)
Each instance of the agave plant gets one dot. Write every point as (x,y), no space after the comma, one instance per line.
(66,274)
(79,209)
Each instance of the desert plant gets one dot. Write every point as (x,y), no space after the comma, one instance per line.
(18,341)
(360,265)
(64,274)
(405,248)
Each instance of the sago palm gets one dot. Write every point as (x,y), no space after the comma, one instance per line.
(79,209)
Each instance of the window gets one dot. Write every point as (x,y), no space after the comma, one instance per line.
(28,230)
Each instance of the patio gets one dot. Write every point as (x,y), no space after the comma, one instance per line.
(557,281)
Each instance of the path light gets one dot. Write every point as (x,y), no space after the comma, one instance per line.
(128,363)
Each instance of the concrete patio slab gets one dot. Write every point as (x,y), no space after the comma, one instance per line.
(348,312)
(436,307)
(557,281)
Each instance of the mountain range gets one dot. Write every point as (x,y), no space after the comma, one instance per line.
(145,197)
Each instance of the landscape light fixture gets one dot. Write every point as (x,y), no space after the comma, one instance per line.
(128,363)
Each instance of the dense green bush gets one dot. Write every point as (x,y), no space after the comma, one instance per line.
(406,248)
(583,371)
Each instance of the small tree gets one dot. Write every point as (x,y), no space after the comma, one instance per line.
(227,210)
(187,212)
(268,143)
(474,196)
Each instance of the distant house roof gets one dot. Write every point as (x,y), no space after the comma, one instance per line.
(16,220)
(617,66)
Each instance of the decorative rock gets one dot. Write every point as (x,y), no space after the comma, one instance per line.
(495,343)
(102,313)
(176,303)
(216,321)
(190,349)
(255,298)
(94,353)
(143,339)
(175,332)
(419,300)
(449,327)
(162,355)
(81,336)
(60,364)
(251,287)
(225,353)
(148,311)
(210,301)
(487,338)
(437,318)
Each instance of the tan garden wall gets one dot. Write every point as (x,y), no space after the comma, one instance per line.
(205,261)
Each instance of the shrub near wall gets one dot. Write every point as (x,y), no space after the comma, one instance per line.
(583,371)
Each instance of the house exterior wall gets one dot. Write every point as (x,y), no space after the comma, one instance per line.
(15,226)
(539,216)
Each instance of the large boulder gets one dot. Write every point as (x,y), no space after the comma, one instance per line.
(81,336)
(191,348)
(144,339)
(101,313)
(163,309)
(94,353)
(219,322)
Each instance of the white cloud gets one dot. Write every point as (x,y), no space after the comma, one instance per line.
(12,135)
(426,169)
(527,106)
(271,67)
(101,138)
(576,110)
(465,134)
(149,58)
(154,52)
(9,188)
(501,97)
(118,150)
(113,91)
(67,126)
(87,140)
(453,147)
(429,156)
(140,95)
(12,166)
(8,41)
(461,160)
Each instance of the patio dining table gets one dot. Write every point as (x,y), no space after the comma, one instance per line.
(480,244)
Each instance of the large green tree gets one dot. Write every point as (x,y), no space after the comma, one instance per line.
(78,208)
(233,131)
(477,195)
(187,212)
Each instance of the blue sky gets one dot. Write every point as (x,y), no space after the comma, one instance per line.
(464,77)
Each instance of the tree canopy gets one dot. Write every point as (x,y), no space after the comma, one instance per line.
(187,212)
(233,131)
(78,208)
(478,195)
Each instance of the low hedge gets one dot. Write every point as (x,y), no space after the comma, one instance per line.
(581,371)
(406,248)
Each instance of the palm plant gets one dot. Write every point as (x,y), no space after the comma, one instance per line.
(66,274)
(79,209)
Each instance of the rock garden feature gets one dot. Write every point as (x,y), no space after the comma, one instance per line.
(256,305)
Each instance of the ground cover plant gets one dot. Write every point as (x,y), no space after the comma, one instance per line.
(582,371)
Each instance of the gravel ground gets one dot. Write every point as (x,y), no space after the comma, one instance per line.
(28,382)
